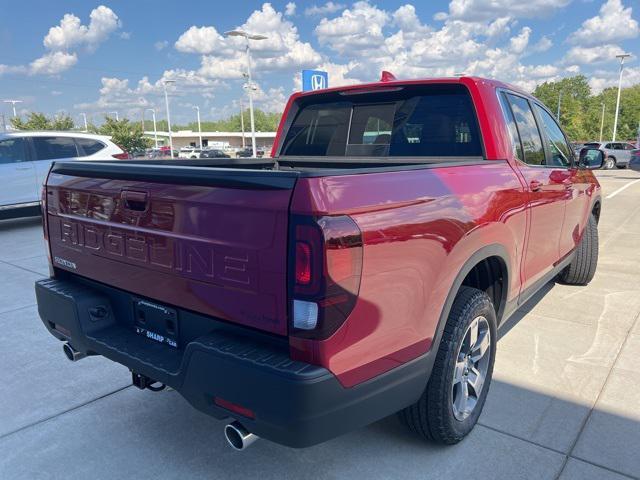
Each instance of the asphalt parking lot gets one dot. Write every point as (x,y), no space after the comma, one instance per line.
(564,403)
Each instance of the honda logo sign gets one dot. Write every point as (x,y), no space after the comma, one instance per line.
(314,80)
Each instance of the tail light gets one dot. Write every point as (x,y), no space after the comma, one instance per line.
(326,268)
(121,156)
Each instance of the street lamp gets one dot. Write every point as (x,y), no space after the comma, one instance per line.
(197,108)
(559,101)
(117,119)
(155,130)
(13,104)
(622,56)
(86,127)
(602,121)
(242,124)
(166,102)
(247,37)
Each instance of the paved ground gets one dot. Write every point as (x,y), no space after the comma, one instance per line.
(564,403)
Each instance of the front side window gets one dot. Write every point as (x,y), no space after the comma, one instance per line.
(557,143)
(50,148)
(12,151)
(411,121)
(528,130)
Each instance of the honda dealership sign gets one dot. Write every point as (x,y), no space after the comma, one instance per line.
(314,80)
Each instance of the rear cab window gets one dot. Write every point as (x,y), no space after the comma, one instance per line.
(437,120)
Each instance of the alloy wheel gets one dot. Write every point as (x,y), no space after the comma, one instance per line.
(470,370)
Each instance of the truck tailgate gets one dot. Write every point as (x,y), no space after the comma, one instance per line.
(209,240)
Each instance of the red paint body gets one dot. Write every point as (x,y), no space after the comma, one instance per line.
(419,228)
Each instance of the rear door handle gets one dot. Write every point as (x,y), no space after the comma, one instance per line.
(535,185)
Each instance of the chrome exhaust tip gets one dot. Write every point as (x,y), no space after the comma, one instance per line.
(71,353)
(238,437)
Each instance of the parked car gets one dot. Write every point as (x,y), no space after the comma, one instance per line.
(189,152)
(25,158)
(634,162)
(248,152)
(213,153)
(341,282)
(617,154)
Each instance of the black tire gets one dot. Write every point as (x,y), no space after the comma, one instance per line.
(432,416)
(583,266)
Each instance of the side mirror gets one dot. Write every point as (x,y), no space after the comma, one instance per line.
(591,158)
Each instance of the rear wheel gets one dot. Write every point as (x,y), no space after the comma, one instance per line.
(457,389)
(583,266)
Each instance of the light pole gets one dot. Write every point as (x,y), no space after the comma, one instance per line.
(117,119)
(13,104)
(622,56)
(197,108)
(248,36)
(559,101)
(155,130)
(242,124)
(84,116)
(602,121)
(166,102)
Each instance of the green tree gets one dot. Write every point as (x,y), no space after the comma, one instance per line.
(39,121)
(35,121)
(62,122)
(581,111)
(123,133)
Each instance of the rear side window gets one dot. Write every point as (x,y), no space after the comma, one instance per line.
(90,146)
(412,121)
(12,151)
(528,130)
(49,148)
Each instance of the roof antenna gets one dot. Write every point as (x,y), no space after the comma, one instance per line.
(387,76)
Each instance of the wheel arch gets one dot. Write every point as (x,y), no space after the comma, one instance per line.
(491,256)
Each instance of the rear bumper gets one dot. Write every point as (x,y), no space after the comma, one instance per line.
(295,404)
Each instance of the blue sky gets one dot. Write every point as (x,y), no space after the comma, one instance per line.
(96,57)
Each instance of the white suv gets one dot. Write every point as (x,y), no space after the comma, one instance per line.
(25,158)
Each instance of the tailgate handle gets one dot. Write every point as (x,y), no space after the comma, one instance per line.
(135,201)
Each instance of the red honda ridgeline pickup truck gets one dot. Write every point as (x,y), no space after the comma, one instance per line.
(361,271)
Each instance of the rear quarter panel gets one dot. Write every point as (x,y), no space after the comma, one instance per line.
(419,228)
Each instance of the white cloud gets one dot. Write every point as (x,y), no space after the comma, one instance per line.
(71,33)
(161,45)
(326,9)
(12,69)
(586,55)
(224,58)
(614,23)
(290,9)
(520,41)
(125,35)
(53,63)
(360,27)
(200,40)
(542,45)
(62,40)
(602,79)
(474,10)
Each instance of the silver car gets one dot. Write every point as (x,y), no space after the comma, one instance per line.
(617,154)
